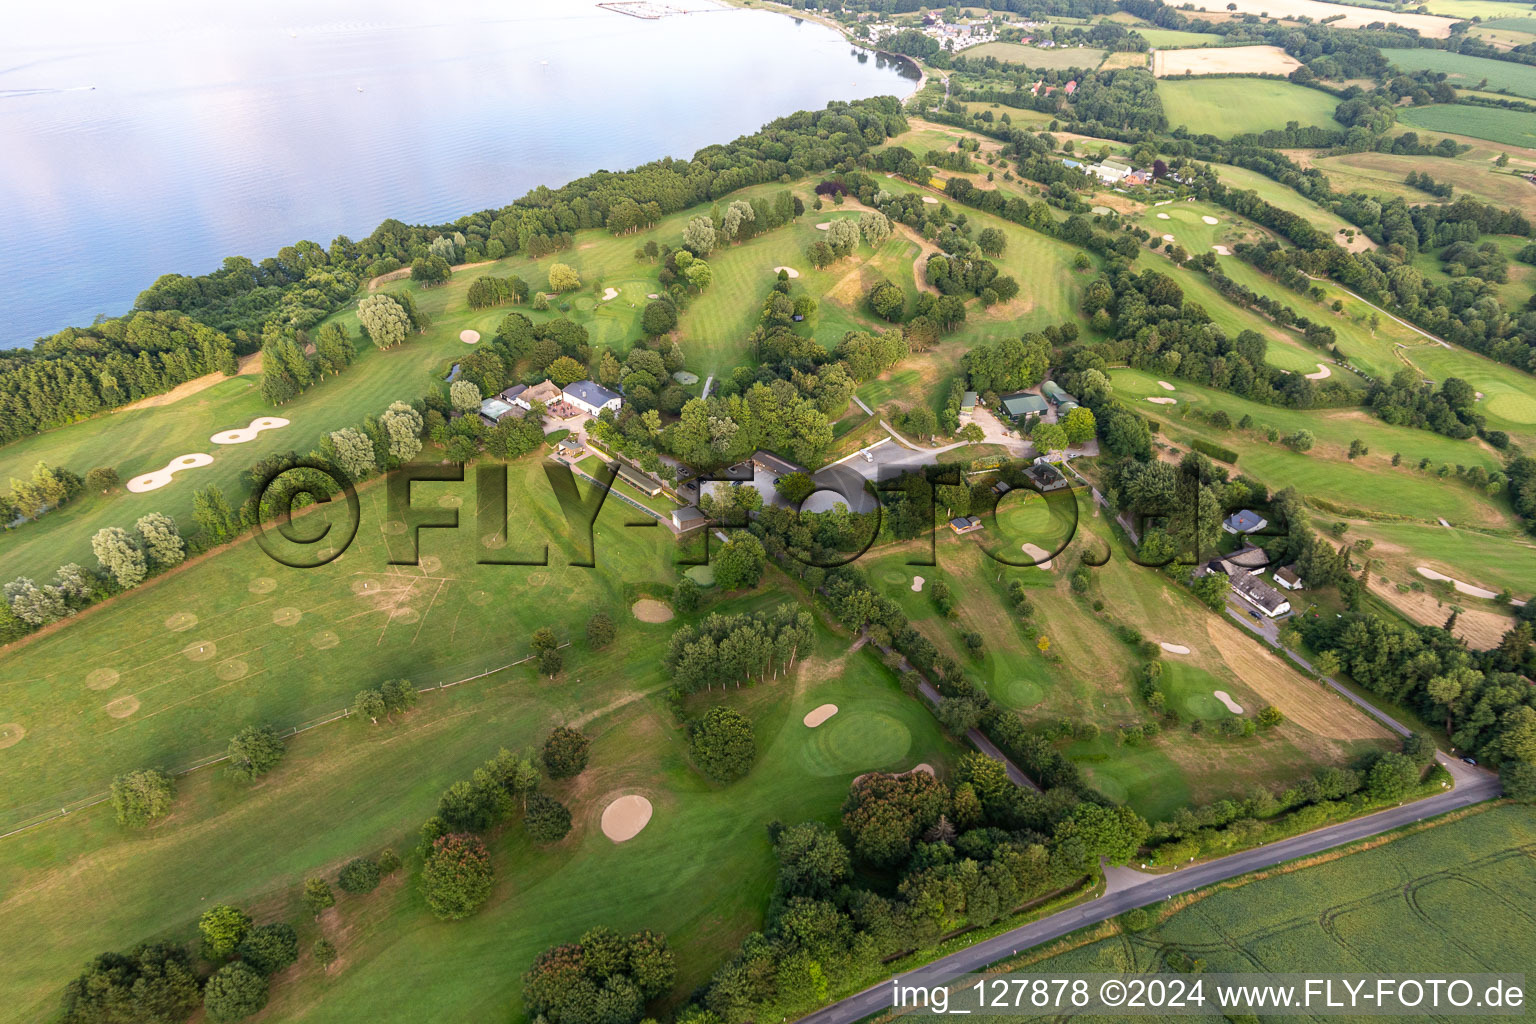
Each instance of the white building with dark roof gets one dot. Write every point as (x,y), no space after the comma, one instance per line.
(591,398)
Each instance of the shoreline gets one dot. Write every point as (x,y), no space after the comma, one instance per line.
(779,8)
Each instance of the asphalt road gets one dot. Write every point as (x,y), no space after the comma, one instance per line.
(1475,788)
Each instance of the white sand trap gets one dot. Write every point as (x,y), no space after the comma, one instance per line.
(1210,220)
(1477,396)
(1165,385)
(652,295)
(1167,238)
(649,610)
(791,271)
(917,583)
(1461,588)
(1232,705)
(626,817)
(1222,250)
(102,678)
(1323,373)
(1041,556)
(819,715)
(11,734)
(122,707)
(610,294)
(244,434)
(1163,216)
(469,337)
(161,477)
(825,225)
(1155,400)
(1173,648)
(930,199)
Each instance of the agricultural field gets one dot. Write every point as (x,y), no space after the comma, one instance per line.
(1124,59)
(1506,33)
(1466,72)
(1495,124)
(1045,58)
(1448,898)
(1224,60)
(1238,106)
(1168,38)
(1383,174)
(1430,26)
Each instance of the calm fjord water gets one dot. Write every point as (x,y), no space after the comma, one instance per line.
(164,135)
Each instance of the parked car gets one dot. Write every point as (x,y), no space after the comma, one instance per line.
(1471,761)
(1256,616)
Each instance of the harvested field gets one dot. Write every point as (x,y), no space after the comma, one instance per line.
(1224,60)
(1481,629)
(1353,17)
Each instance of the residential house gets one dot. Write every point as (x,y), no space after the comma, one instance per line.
(1110,172)
(591,398)
(1288,579)
(1244,522)
(1249,587)
(965,524)
(544,392)
(1045,476)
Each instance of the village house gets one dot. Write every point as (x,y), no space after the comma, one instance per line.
(1244,522)
(591,398)
(1288,579)
(543,392)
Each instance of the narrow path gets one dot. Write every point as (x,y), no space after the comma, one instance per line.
(860,403)
(707,382)
(1416,330)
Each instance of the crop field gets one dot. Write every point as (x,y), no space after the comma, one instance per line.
(1046,58)
(1169,38)
(1383,174)
(1224,60)
(1453,898)
(701,871)
(1509,127)
(1353,17)
(1465,72)
(1092,681)
(1486,9)
(1124,59)
(1238,106)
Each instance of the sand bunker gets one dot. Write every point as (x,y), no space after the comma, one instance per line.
(610,293)
(1232,705)
(262,585)
(1163,401)
(1323,373)
(161,477)
(1210,220)
(1173,648)
(819,715)
(248,433)
(652,295)
(924,767)
(201,651)
(180,621)
(917,584)
(825,225)
(930,199)
(1041,556)
(626,817)
(1167,238)
(1165,385)
(1163,216)
(122,707)
(11,734)
(1222,250)
(1462,588)
(650,610)
(102,678)
(791,271)
(469,337)
(286,617)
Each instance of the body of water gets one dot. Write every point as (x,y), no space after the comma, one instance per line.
(162,136)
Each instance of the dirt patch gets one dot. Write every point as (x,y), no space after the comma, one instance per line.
(247,365)
(1481,629)
(1310,705)
(624,818)
(231,670)
(650,610)
(102,679)
(818,715)
(1224,60)
(122,707)
(202,650)
(11,733)
(480,598)
(324,640)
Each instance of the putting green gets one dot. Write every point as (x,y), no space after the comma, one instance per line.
(1101,780)
(585,303)
(1203,705)
(703,575)
(1512,406)
(854,741)
(1017,693)
(896,577)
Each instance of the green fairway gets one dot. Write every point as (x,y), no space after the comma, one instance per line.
(1466,72)
(1447,899)
(1509,127)
(1238,106)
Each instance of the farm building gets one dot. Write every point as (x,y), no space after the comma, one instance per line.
(689,517)
(1021,404)
(1288,579)
(1244,522)
(591,398)
(1053,392)
(544,392)
(1254,559)
(967,406)
(965,524)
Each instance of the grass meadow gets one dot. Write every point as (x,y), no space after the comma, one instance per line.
(1451,898)
(1466,72)
(1053,59)
(1508,127)
(1383,174)
(1237,106)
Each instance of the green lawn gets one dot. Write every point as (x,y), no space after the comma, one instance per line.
(1467,72)
(1446,900)
(1509,127)
(1056,58)
(1236,106)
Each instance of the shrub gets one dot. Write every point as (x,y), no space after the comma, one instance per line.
(389,861)
(269,948)
(600,630)
(325,952)
(141,797)
(565,753)
(722,745)
(1214,450)
(359,876)
(456,878)
(223,928)
(547,819)
(234,992)
(318,895)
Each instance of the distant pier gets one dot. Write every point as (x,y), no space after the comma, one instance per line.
(650,10)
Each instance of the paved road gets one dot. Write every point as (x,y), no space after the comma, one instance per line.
(1479,786)
(979,739)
